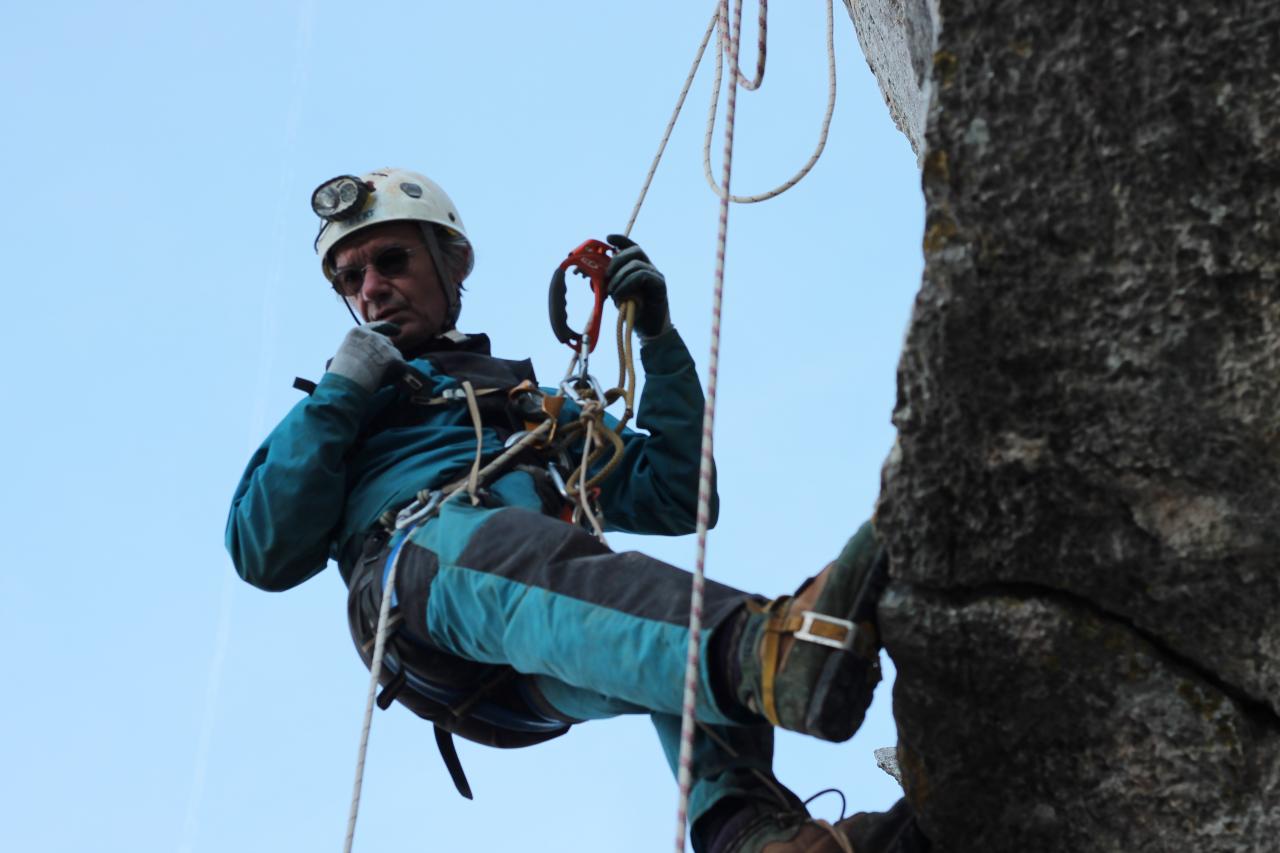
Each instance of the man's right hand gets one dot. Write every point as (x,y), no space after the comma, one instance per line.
(365,354)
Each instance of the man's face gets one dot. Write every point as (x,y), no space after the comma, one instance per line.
(406,291)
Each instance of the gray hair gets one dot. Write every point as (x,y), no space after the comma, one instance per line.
(451,253)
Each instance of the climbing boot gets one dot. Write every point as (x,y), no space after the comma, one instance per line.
(757,831)
(894,831)
(810,662)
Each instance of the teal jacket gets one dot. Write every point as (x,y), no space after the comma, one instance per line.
(343,456)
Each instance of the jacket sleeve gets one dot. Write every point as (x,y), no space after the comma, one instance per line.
(292,494)
(655,489)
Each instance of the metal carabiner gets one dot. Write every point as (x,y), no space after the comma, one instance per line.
(591,260)
(575,384)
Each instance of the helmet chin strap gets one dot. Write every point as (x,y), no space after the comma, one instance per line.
(351,311)
(450,287)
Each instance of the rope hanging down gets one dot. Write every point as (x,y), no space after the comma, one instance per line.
(685,766)
(727,49)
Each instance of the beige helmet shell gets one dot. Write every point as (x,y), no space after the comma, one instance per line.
(396,194)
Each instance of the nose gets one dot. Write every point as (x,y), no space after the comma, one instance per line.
(374,287)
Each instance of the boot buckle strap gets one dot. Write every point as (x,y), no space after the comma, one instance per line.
(826,630)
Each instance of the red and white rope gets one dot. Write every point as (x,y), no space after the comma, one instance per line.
(741,80)
(762,38)
(751,85)
(687,726)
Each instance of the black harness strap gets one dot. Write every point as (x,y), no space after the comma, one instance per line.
(448,752)
(393,688)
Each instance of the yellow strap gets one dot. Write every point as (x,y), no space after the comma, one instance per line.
(769,654)
(473,482)
(768,669)
(781,623)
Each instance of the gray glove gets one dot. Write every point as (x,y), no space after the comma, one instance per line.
(365,355)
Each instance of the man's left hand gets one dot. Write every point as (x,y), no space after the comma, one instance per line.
(633,277)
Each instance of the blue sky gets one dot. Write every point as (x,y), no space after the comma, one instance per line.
(159,159)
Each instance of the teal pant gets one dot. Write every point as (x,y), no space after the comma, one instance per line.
(592,633)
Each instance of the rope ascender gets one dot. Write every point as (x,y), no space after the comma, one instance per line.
(591,260)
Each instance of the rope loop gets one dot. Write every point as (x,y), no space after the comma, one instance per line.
(720,25)
(715,99)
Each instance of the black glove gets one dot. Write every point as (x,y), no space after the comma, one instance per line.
(631,276)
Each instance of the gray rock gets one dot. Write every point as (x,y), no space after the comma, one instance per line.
(887,760)
(1082,508)
(897,38)
(1036,723)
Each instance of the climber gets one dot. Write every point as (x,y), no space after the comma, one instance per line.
(512,624)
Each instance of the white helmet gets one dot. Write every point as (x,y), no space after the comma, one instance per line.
(347,204)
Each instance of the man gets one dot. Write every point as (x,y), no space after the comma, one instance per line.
(511,624)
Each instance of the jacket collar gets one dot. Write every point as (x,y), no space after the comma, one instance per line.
(453,341)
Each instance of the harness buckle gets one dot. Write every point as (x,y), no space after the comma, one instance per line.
(825,630)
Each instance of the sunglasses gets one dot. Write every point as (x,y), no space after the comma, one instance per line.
(391,261)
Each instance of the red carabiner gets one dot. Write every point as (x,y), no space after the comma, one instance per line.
(591,259)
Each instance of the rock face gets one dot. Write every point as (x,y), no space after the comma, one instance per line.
(1083,510)
(897,39)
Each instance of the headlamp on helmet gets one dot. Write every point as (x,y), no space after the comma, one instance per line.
(339,198)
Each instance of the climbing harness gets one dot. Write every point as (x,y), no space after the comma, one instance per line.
(425,506)
(579,488)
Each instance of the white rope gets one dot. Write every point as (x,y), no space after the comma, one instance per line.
(675,114)
(762,30)
(826,118)
(727,50)
(752,84)
(687,723)
(375,671)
